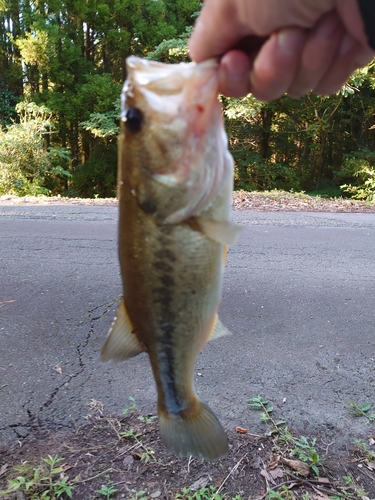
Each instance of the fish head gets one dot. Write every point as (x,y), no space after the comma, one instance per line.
(173,147)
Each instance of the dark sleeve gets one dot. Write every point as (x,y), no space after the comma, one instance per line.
(367,8)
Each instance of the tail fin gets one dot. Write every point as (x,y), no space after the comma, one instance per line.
(199,434)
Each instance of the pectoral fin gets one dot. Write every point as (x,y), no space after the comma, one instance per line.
(219,330)
(220,231)
(121,343)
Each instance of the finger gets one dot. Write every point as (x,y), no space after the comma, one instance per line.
(234,74)
(217,29)
(222,23)
(351,56)
(319,51)
(276,64)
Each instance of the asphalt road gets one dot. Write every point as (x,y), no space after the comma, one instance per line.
(298,296)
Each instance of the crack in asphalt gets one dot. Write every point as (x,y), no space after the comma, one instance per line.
(30,424)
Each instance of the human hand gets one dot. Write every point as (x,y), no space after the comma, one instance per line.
(310,45)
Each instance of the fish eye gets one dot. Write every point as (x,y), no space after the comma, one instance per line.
(133,119)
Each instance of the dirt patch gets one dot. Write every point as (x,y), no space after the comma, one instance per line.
(281,201)
(267,201)
(126,454)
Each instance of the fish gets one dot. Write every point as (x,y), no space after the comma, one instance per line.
(175,179)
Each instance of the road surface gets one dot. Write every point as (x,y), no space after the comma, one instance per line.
(298,296)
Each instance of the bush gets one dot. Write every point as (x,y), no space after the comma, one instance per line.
(27,166)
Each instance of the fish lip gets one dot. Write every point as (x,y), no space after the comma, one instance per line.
(135,62)
(148,73)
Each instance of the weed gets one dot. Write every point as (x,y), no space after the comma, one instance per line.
(307,452)
(138,495)
(364,449)
(283,494)
(259,404)
(107,490)
(285,437)
(147,453)
(147,420)
(41,483)
(130,408)
(302,448)
(202,494)
(362,411)
(129,433)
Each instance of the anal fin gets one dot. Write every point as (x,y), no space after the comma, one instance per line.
(121,342)
(219,330)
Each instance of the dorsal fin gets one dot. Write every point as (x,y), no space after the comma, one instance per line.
(121,343)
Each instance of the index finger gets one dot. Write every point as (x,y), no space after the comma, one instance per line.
(213,35)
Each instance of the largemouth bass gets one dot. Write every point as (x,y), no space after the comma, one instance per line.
(174,188)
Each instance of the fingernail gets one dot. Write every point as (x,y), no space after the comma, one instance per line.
(290,41)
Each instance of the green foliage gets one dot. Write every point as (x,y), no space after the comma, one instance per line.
(208,493)
(107,490)
(8,101)
(305,450)
(27,166)
(97,176)
(70,57)
(259,404)
(147,420)
(359,165)
(362,411)
(104,125)
(131,408)
(283,494)
(45,482)
(364,450)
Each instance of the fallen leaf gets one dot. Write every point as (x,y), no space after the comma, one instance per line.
(297,465)
(58,368)
(274,463)
(241,430)
(202,482)
(267,476)
(156,494)
(370,465)
(276,473)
